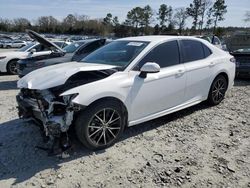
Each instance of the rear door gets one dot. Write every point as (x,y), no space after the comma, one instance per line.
(199,68)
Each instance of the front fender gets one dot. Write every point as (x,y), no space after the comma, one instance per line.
(116,86)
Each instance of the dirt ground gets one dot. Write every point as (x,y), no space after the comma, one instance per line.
(197,147)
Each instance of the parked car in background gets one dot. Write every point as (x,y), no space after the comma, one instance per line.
(73,52)
(242,57)
(60,43)
(1,43)
(15,44)
(8,60)
(213,40)
(127,82)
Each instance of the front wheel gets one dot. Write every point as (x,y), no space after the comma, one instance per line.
(100,125)
(218,90)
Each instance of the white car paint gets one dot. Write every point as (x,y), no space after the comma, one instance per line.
(6,57)
(172,89)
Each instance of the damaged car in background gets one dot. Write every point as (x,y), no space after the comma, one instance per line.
(73,52)
(126,82)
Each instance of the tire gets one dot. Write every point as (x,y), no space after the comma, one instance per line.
(218,90)
(12,67)
(92,132)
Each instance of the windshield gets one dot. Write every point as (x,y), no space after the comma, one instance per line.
(73,47)
(23,49)
(118,53)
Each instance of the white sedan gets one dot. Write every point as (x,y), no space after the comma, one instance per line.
(8,60)
(127,82)
(15,44)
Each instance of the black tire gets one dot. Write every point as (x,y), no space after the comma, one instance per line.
(218,90)
(8,46)
(92,132)
(12,67)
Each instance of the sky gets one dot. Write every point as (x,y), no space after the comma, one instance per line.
(32,9)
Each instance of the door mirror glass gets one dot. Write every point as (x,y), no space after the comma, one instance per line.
(149,67)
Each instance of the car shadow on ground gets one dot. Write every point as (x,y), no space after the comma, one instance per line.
(8,85)
(242,82)
(21,160)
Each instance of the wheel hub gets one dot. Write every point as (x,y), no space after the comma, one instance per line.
(104,126)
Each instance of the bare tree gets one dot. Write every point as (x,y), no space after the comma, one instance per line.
(205,6)
(180,18)
(194,10)
(20,24)
(247,16)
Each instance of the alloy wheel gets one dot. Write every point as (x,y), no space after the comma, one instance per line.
(219,90)
(104,126)
(13,68)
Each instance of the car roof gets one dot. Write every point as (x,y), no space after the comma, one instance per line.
(89,40)
(157,38)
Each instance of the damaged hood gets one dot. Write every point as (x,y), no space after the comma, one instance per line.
(56,75)
(43,41)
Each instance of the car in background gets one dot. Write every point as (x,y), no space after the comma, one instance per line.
(213,40)
(61,44)
(8,60)
(127,82)
(76,51)
(1,43)
(15,44)
(242,57)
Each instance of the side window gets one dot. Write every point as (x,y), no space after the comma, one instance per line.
(166,54)
(192,50)
(207,51)
(91,47)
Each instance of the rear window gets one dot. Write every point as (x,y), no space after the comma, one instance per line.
(192,50)
(207,51)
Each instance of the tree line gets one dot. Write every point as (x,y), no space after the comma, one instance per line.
(205,15)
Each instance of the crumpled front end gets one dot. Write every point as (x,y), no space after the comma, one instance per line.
(56,113)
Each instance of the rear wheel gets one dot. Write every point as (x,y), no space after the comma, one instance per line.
(100,125)
(12,67)
(218,90)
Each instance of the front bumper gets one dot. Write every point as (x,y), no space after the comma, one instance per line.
(28,108)
(54,123)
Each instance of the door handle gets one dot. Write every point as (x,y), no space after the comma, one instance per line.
(180,72)
(211,64)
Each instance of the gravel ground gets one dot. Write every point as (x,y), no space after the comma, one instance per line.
(197,147)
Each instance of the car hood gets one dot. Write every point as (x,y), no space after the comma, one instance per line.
(43,41)
(57,75)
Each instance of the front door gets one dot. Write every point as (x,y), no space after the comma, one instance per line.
(158,91)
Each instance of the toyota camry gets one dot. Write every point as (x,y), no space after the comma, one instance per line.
(127,82)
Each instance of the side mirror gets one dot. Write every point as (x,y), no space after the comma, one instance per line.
(33,50)
(149,67)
